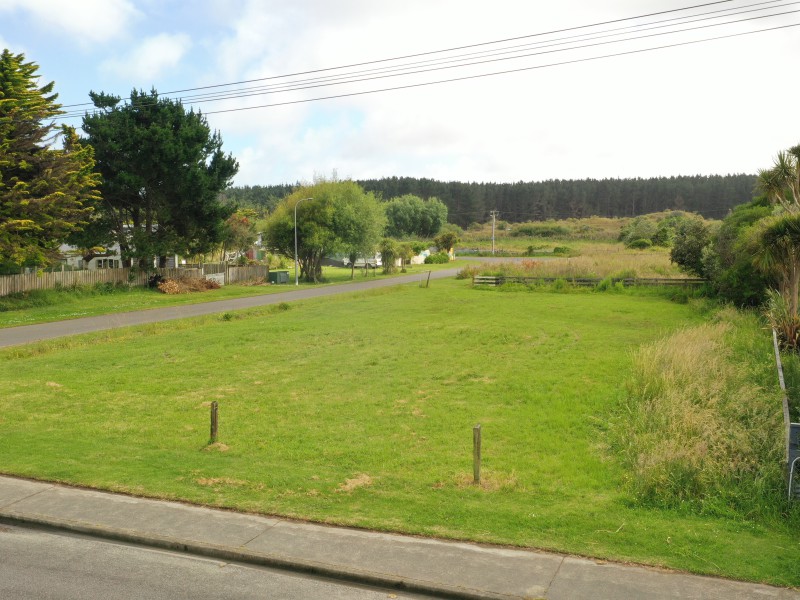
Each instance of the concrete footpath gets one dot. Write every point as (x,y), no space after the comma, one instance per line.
(426,566)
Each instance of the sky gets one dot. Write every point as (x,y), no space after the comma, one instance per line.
(568,109)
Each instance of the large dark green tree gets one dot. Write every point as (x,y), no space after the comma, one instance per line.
(728,261)
(163,169)
(692,237)
(46,191)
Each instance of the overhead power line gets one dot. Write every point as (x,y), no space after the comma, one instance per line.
(309,84)
(442,64)
(506,72)
(493,55)
(431,52)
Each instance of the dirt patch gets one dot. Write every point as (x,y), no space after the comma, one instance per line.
(359,481)
(218,446)
(490,482)
(220,481)
(53,384)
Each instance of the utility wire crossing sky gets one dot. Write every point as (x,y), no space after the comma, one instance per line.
(582,89)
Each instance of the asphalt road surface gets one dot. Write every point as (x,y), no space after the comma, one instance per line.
(13,336)
(39,565)
(26,334)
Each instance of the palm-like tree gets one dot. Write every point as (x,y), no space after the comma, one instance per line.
(781,183)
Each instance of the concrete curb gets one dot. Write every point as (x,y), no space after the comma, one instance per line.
(331,571)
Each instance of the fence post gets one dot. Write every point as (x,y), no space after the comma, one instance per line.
(476,453)
(214,422)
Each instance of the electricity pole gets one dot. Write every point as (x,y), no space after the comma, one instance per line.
(494,214)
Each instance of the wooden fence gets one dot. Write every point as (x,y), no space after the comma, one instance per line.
(586,281)
(11,284)
(791,430)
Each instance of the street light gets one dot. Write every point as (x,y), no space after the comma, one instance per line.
(296,280)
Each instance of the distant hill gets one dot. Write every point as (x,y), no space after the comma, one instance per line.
(709,195)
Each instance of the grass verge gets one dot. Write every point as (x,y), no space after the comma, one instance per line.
(359,409)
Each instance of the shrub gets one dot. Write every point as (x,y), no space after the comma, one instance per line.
(640,228)
(781,319)
(640,244)
(389,253)
(609,285)
(728,261)
(691,240)
(540,230)
(468,272)
(440,258)
(108,287)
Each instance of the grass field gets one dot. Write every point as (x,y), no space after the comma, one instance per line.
(57,305)
(359,410)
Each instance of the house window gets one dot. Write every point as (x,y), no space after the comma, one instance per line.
(107,263)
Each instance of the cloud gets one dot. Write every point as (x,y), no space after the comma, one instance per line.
(87,21)
(678,111)
(146,62)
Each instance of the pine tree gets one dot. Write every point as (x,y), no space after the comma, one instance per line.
(46,192)
(163,169)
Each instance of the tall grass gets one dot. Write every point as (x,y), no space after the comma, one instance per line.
(599,260)
(60,295)
(701,427)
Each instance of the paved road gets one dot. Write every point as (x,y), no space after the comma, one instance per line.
(40,565)
(14,336)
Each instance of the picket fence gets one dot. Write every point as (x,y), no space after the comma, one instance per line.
(10,284)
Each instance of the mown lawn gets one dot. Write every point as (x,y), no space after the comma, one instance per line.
(47,306)
(359,410)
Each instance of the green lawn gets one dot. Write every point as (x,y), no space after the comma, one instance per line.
(54,305)
(359,410)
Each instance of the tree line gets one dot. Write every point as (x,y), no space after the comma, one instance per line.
(711,196)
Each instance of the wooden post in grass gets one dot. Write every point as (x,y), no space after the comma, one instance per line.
(214,422)
(476,453)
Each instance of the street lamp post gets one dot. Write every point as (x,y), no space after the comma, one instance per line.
(296,280)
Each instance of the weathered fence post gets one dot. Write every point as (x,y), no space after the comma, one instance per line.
(214,422)
(476,453)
